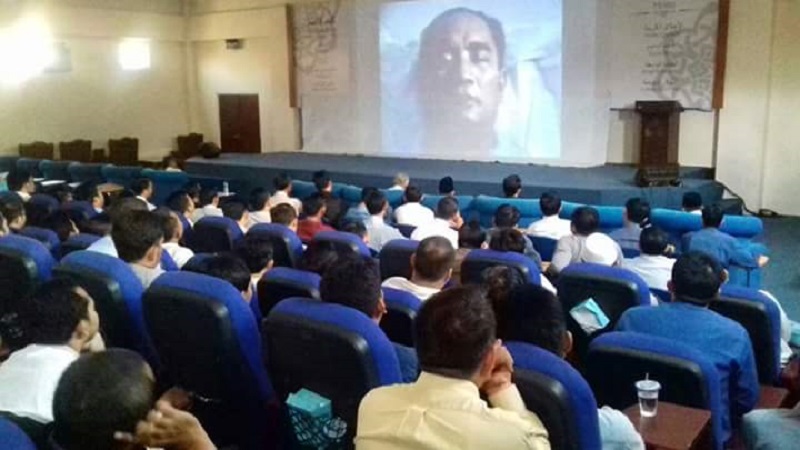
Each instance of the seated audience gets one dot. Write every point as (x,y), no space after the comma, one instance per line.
(379,232)
(412,212)
(355,282)
(35,216)
(60,322)
(314,210)
(692,202)
(507,218)
(357,228)
(401,182)
(21,183)
(3,225)
(461,358)
(256,252)
(283,192)
(512,240)
(181,202)
(97,199)
(193,188)
(696,280)
(470,237)
(171,164)
(284,214)
(259,207)
(573,248)
(237,212)
(230,268)
(117,212)
(143,189)
(318,257)
(209,205)
(771,429)
(535,315)
(172,228)
(447,187)
(431,268)
(550,226)
(138,241)
(723,247)
(63,195)
(446,223)
(498,282)
(334,207)
(512,186)
(635,217)
(14,212)
(105,401)
(62,225)
(653,265)
(359,212)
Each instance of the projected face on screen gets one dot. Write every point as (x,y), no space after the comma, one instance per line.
(471,79)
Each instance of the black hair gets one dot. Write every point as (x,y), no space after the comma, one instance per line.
(453,331)
(356,227)
(51,315)
(507,240)
(122,207)
(585,220)
(353,281)
(169,223)
(692,201)
(227,267)
(497,283)
(366,191)
(446,185)
(434,258)
(653,241)
(283,214)
(712,216)
(318,257)
(313,204)
(255,251)
(471,235)
(13,210)
(37,216)
(180,201)
(17,178)
(506,216)
(61,224)
(447,208)
(140,185)
(207,196)
(134,236)
(494,25)
(536,316)
(234,210)
(193,189)
(259,198)
(696,277)
(550,203)
(282,181)
(512,184)
(376,201)
(321,178)
(638,211)
(98,395)
(413,194)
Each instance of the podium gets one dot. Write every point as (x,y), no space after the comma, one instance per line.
(658,147)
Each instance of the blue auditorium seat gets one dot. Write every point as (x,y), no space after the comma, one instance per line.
(79,211)
(302,189)
(78,242)
(393,196)
(545,246)
(55,170)
(401,310)
(30,165)
(559,395)
(46,204)
(195,263)
(344,353)
(465,204)
(486,207)
(395,258)
(26,264)
(82,172)
(283,282)
(13,438)
(165,183)
(343,243)
(617,360)
(167,263)
(121,175)
(477,261)
(287,250)
(47,237)
(117,294)
(610,216)
(214,234)
(349,193)
(208,341)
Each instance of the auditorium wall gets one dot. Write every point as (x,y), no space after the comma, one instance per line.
(96,99)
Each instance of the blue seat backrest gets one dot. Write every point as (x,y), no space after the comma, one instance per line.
(487,206)
(55,170)
(47,237)
(477,261)
(302,189)
(617,360)
(678,223)
(545,246)
(287,250)
(760,316)
(214,234)
(196,262)
(283,282)
(78,242)
(349,193)
(165,183)
(402,308)
(26,263)
(121,175)
(13,438)
(30,165)
(393,196)
(117,294)
(80,172)
(558,394)
(167,263)
(45,203)
(79,211)
(344,353)
(610,216)
(405,230)
(343,243)
(208,341)
(395,258)
(465,203)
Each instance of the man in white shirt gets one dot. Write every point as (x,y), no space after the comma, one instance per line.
(460,358)
(209,205)
(62,322)
(237,212)
(21,182)
(283,192)
(379,232)
(143,188)
(412,212)
(550,226)
(653,265)
(173,232)
(446,223)
(401,181)
(577,247)
(260,206)
(431,268)
(138,241)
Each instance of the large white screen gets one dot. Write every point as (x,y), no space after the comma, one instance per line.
(471,79)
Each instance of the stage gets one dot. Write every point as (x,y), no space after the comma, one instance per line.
(602,185)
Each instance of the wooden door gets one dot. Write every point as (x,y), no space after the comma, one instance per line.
(240,123)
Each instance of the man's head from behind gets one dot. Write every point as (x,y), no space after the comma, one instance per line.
(712,216)
(498,282)
(138,239)
(259,199)
(322,181)
(535,316)
(14,212)
(446,186)
(585,221)
(354,282)
(143,187)
(433,261)
(284,214)
(455,334)
(653,241)
(506,216)
(171,225)
(550,204)
(256,252)
(209,197)
(20,180)
(283,183)
(512,186)
(314,206)
(61,313)
(447,209)
(413,194)
(507,240)
(696,278)
(377,205)
(101,394)
(236,211)
(637,211)
(692,201)
(230,268)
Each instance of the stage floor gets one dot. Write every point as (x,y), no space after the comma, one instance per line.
(602,185)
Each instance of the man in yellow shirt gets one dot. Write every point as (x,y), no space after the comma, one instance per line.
(460,357)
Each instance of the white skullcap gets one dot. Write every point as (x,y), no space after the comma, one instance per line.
(600,249)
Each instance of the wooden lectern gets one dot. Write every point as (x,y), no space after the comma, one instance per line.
(658,150)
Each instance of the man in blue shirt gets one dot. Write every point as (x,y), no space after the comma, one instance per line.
(635,217)
(725,248)
(696,280)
